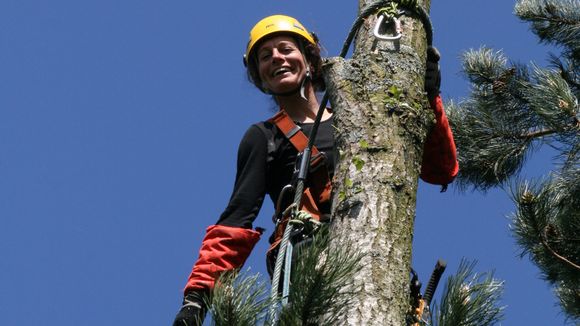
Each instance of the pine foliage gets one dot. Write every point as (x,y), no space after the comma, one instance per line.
(238,299)
(513,109)
(554,21)
(469,299)
(546,226)
(321,283)
(321,289)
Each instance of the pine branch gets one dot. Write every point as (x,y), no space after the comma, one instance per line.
(567,71)
(552,99)
(569,300)
(322,283)
(508,112)
(511,110)
(555,22)
(321,288)
(484,65)
(469,299)
(562,258)
(547,215)
(537,134)
(238,299)
(492,147)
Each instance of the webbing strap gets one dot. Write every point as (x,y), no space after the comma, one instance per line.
(292,132)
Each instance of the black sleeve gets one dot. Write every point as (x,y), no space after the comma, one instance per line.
(250,186)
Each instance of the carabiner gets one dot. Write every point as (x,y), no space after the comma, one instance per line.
(280,210)
(380,21)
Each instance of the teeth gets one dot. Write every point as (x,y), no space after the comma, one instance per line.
(281,71)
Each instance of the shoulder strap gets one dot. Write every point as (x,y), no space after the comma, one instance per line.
(292,132)
(320,186)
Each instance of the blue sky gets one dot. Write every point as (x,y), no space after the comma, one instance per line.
(119,126)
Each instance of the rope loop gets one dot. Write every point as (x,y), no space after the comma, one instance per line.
(303,221)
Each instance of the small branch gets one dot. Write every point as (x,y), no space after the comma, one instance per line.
(539,133)
(566,240)
(557,20)
(547,246)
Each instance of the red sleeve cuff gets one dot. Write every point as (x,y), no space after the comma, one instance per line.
(223,248)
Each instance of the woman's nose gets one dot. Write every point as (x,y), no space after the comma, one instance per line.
(276,55)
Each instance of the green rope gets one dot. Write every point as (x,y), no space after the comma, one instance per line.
(303,219)
(390,11)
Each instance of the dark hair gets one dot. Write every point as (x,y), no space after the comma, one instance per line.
(312,54)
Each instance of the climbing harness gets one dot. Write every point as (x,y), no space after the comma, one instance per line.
(310,158)
(284,254)
(419,312)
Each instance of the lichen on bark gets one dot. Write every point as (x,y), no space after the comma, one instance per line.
(381,123)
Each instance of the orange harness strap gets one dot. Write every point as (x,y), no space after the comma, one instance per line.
(292,132)
(319,187)
(318,190)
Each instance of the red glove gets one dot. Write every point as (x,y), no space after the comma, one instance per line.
(440,164)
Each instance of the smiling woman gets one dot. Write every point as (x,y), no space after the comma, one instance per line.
(283,60)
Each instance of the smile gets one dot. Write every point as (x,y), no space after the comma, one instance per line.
(280,71)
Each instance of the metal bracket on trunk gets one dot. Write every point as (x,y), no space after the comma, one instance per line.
(397,24)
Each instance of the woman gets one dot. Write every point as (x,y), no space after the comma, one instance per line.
(282,59)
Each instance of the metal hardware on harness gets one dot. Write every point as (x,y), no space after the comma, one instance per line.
(395,21)
(287,269)
(303,221)
(278,215)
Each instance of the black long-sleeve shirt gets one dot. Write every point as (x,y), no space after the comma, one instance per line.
(266,161)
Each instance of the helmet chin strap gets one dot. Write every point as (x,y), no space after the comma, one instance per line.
(308,77)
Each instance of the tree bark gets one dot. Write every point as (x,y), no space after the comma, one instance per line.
(379,135)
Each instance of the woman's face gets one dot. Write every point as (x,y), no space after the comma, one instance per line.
(280,64)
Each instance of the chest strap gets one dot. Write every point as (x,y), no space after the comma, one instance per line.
(319,182)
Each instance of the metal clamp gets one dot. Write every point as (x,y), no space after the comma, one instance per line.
(395,21)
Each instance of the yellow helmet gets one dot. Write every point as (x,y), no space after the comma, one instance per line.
(276,24)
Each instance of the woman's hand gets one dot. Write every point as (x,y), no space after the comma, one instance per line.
(432,73)
(192,312)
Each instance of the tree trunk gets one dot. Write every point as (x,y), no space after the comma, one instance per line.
(379,135)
